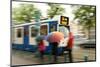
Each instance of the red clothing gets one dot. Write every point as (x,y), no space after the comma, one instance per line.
(70,40)
(41,46)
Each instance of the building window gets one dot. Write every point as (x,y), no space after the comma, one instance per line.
(19,33)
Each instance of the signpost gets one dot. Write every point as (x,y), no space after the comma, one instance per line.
(64,21)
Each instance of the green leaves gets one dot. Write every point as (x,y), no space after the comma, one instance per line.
(55,9)
(86,15)
(27,12)
(24,13)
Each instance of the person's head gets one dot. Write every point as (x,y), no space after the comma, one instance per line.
(41,40)
(70,33)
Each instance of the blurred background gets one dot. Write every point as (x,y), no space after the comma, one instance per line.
(82,23)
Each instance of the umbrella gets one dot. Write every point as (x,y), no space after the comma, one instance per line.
(55,37)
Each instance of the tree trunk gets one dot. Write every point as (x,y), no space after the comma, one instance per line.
(89,33)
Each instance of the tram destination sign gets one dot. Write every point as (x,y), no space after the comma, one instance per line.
(64,20)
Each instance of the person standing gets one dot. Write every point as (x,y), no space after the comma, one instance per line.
(41,49)
(70,42)
(69,46)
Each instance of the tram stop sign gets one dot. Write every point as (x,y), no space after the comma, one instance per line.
(64,20)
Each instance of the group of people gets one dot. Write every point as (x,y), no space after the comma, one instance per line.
(54,51)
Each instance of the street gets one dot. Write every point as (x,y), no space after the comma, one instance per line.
(26,58)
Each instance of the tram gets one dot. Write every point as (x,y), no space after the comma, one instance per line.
(24,35)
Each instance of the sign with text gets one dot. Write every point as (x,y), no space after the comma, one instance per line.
(64,20)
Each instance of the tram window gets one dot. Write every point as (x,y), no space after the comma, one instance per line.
(43,30)
(25,32)
(64,30)
(53,27)
(19,33)
(34,31)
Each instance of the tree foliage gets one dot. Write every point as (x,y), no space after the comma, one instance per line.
(55,9)
(86,16)
(24,13)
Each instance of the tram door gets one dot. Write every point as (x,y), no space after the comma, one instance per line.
(26,36)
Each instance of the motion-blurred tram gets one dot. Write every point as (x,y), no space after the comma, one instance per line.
(24,35)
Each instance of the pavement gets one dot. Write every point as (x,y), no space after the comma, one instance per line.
(27,58)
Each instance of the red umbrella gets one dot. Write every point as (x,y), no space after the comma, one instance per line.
(55,37)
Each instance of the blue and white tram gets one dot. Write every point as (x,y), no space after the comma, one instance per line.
(23,35)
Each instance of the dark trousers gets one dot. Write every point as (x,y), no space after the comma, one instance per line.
(54,51)
(42,55)
(69,53)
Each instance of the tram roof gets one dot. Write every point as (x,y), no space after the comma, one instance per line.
(40,22)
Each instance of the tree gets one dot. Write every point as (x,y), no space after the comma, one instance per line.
(25,13)
(55,9)
(86,16)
